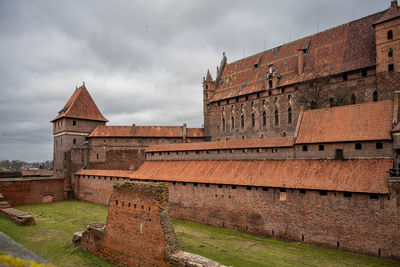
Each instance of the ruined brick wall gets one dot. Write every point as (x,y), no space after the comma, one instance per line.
(139,231)
(365,223)
(22,191)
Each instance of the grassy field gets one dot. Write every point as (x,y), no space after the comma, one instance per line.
(56,222)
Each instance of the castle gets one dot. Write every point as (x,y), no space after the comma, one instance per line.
(301,141)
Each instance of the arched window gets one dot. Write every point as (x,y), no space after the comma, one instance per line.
(264,119)
(390,35)
(242,121)
(276,117)
(223,124)
(390,52)
(353,99)
(253,121)
(375,96)
(233,122)
(289,115)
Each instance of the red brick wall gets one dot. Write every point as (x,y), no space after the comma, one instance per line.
(357,223)
(31,191)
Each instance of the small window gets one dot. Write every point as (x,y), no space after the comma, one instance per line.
(242,121)
(282,90)
(270,84)
(321,147)
(390,67)
(375,96)
(184,184)
(97,156)
(265,188)
(206,86)
(339,154)
(220,186)
(269,93)
(248,187)
(253,121)
(379,145)
(358,146)
(390,35)
(323,193)
(373,196)
(247,97)
(237,99)
(73,123)
(302,191)
(347,194)
(194,184)
(233,186)
(174,183)
(282,190)
(218,103)
(233,123)
(390,52)
(345,77)
(305,148)
(258,95)
(353,99)
(74,141)
(207,185)
(364,73)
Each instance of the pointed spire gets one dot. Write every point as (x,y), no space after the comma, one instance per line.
(209,77)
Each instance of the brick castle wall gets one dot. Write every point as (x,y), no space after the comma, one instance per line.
(24,191)
(361,222)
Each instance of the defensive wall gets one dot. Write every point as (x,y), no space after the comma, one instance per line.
(33,190)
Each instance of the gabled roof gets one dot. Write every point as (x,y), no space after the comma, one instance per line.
(232,144)
(389,14)
(80,106)
(145,131)
(344,48)
(361,122)
(361,175)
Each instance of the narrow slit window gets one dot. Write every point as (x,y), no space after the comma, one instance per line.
(390,52)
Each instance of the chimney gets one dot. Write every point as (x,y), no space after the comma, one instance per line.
(300,61)
(184,129)
(394,5)
(133,129)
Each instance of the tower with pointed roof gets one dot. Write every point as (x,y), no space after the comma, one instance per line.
(208,89)
(74,122)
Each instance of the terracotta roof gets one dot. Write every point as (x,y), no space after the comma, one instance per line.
(361,175)
(232,144)
(389,14)
(362,122)
(80,106)
(145,131)
(344,48)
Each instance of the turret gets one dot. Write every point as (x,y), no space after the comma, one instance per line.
(208,91)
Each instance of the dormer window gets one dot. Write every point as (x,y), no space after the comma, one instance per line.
(390,35)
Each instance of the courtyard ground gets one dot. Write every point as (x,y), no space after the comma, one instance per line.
(56,222)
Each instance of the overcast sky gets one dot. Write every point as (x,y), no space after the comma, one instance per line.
(142,61)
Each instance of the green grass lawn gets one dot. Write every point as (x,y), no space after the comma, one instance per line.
(56,222)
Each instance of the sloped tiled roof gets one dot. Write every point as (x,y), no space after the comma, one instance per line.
(232,144)
(362,122)
(80,106)
(389,14)
(145,131)
(344,48)
(359,175)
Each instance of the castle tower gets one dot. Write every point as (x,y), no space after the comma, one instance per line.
(208,90)
(74,122)
(387,41)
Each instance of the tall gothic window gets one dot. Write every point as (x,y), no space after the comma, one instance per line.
(233,122)
(242,121)
(264,119)
(253,121)
(223,124)
(289,115)
(276,117)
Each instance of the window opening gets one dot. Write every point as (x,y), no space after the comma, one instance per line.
(373,196)
(390,67)
(339,154)
(358,146)
(73,123)
(345,77)
(270,84)
(379,145)
(375,96)
(390,35)
(242,121)
(302,191)
(323,193)
(290,115)
(264,119)
(276,117)
(347,194)
(252,120)
(364,73)
(353,99)
(321,147)
(248,187)
(305,148)
(390,52)
(233,186)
